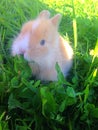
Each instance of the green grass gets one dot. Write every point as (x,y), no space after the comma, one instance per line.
(27,104)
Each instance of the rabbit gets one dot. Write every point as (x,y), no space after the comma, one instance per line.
(42,46)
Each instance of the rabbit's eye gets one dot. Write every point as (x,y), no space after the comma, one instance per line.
(42,42)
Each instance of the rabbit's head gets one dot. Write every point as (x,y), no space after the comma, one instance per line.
(37,37)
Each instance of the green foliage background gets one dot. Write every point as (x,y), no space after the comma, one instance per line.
(71,104)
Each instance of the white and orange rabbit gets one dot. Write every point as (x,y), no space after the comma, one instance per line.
(42,46)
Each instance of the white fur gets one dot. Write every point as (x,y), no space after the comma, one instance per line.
(69,50)
(20,45)
(35,24)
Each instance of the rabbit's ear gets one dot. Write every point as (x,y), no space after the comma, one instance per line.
(20,44)
(44,14)
(56,19)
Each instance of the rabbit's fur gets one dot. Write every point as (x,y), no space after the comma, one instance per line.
(42,46)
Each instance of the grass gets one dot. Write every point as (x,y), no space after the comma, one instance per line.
(27,104)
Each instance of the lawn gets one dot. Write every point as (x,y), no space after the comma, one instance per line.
(71,103)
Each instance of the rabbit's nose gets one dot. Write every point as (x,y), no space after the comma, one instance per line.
(22,51)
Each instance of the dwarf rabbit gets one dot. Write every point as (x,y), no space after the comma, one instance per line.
(42,46)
